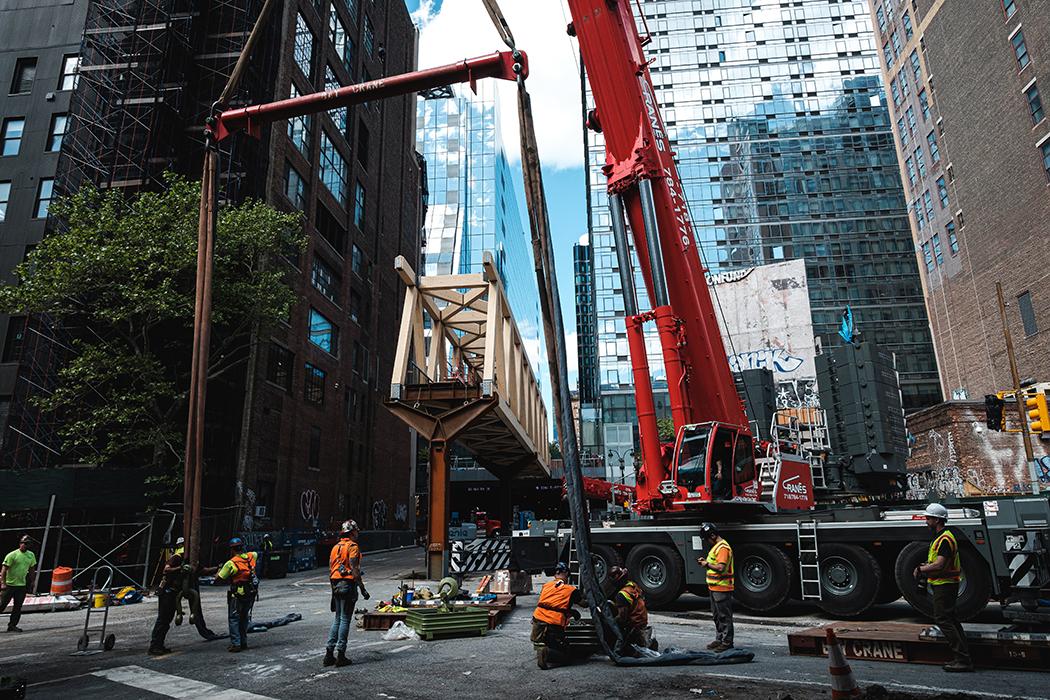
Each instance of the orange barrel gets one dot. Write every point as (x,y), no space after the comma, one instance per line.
(62,581)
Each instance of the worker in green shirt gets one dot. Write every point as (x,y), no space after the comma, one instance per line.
(17,569)
(239,573)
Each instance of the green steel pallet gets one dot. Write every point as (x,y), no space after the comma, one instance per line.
(431,623)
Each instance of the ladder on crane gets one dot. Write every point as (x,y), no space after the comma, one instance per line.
(809,560)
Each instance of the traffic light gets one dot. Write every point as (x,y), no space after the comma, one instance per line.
(993,412)
(1038,415)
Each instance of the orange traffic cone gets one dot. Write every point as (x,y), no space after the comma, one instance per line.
(843,685)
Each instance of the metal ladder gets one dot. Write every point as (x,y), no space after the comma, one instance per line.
(574,562)
(809,560)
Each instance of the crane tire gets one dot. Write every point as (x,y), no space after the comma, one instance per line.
(974,591)
(850,579)
(604,558)
(658,571)
(764,577)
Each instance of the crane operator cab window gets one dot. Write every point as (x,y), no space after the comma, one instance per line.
(744,462)
(692,457)
(721,464)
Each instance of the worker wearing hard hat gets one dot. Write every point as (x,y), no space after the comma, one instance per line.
(720,578)
(344,564)
(943,572)
(239,572)
(631,613)
(552,617)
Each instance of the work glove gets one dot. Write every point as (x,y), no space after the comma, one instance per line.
(574,614)
(364,592)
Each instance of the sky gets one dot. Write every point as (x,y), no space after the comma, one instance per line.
(451,30)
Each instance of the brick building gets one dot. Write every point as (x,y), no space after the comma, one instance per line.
(967,84)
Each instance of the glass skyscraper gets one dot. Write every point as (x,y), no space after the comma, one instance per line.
(473,205)
(784,145)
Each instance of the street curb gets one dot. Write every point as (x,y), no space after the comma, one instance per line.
(707,617)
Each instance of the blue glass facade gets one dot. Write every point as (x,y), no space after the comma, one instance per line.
(785,149)
(473,206)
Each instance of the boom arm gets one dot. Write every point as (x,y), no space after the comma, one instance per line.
(504,65)
(643,179)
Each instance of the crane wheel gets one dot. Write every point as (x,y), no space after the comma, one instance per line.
(850,578)
(604,558)
(658,571)
(764,577)
(974,590)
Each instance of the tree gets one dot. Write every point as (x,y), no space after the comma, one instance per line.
(665,429)
(555,450)
(119,277)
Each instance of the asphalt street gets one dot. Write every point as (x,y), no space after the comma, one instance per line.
(285,662)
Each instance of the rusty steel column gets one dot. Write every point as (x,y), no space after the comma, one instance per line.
(438,514)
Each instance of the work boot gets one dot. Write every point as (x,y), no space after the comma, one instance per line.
(722,647)
(233,648)
(714,645)
(329,658)
(12,628)
(158,652)
(958,667)
(341,660)
(541,658)
(178,619)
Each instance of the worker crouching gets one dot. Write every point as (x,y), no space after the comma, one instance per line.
(239,571)
(631,614)
(552,617)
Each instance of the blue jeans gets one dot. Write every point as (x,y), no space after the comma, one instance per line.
(344,615)
(240,616)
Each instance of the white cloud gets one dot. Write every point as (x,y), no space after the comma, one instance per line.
(572,359)
(462,29)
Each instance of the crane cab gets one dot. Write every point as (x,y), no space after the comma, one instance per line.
(712,462)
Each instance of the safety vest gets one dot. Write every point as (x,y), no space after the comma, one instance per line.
(339,561)
(720,581)
(245,565)
(953,573)
(553,606)
(637,613)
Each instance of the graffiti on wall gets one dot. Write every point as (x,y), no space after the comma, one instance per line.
(775,359)
(310,505)
(797,393)
(379,515)
(248,499)
(401,512)
(939,482)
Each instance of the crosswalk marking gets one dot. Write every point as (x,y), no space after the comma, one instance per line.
(172,686)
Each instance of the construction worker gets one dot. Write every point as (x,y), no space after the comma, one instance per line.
(239,572)
(720,575)
(632,616)
(344,568)
(943,572)
(552,617)
(167,599)
(265,550)
(17,570)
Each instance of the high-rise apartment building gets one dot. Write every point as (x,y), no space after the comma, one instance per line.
(967,84)
(293,437)
(586,321)
(784,147)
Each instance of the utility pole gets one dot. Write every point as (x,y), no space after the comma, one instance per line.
(1025,435)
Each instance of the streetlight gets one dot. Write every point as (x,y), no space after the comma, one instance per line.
(622,455)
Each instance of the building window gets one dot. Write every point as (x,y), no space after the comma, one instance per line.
(333,169)
(299,129)
(910,165)
(953,240)
(880,15)
(1009,8)
(1046,158)
(927,200)
(927,256)
(362,145)
(359,206)
(903,78)
(1035,104)
(906,21)
(70,73)
(920,218)
(920,160)
(887,54)
(351,5)
(279,368)
(935,152)
(924,105)
(304,46)
(937,255)
(357,261)
(355,306)
(910,114)
(25,73)
(903,131)
(12,135)
(16,330)
(370,36)
(896,92)
(294,187)
(43,197)
(942,192)
(360,361)
(1024,305)
(5,196)
(340,115)
(344,46)
(323,333)
(315,448)
(58,130)
(1020,50)
(325,280)
(916,67)
(313,385)
(330,228)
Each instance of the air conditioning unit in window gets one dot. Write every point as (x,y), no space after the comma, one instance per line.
(260,511)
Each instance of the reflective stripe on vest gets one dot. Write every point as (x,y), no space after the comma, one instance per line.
(341,555)
(720,581)
(553,606)
(637,612)
(951,574)
(245,564)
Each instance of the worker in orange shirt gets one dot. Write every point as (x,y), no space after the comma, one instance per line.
(552,617)
(344,565)
(720,575)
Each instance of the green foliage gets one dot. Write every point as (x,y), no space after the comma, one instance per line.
(555,449)
(120,277)
(665,428)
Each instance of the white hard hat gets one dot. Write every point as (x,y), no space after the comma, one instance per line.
(348,526)
(936,510)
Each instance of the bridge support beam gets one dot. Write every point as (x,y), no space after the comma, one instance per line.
(437,522)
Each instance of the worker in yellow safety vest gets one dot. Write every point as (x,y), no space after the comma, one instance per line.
(239,572)
(552,617)
(720,576)
(943,572)
(632,615)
